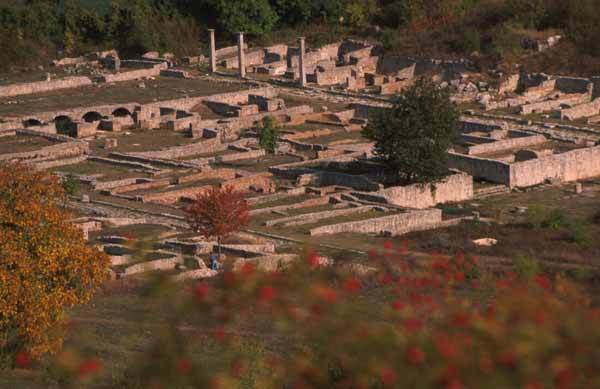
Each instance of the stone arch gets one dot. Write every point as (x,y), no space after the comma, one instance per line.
(121,112)
(32,122)
(92,116)
(62,124)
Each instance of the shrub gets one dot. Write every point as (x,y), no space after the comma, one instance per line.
(432,326)
(389,38)
(268,134)
(505,42)
(70,185)
(526,267)
(578,232)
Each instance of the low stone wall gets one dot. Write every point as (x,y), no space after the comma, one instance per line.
(282,208)
(308,218)
(488,169)
(62,150)
(555,104)
(43,86)
(394,224)
(173,196)
(510,84)
(584,110)
(570,166)
(159,264)
(455,188)
(177,73)
(262,182)
(573,84)
(222,174)
(141,186)
(206,146)
(507,144)
(333,77)
(355,182)
(252,154)
(131,75)
(395,87)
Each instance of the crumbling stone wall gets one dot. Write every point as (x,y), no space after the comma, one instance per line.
(336,76)
(488,169)
(395,224)
(507,144)
(43,86)
(454,188)
(573,84)
(569,166)
(555,104)
(583,110)
(131,75)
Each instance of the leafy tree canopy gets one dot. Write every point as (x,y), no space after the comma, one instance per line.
(413,137)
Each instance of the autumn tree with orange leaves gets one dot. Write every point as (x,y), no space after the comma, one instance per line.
(218,212)
(45,264)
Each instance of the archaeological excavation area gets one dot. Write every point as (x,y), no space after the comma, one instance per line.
(141,137)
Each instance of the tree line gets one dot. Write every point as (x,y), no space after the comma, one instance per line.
(36,30)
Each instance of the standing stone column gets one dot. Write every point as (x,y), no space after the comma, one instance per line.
(213,51)
(301,62)
(241,59)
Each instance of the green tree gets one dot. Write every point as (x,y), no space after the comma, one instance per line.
(413,137)
(268,134)
(583,27)
(250,16)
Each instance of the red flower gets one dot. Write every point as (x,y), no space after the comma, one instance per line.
(461,319)
(415,355)
(313,259)
(352,285)
(563,379)
(384,279)
(326,293)
(534,385)
(388,376)
(454,384)
(201,291)
(248,268)
(445,346)
(219,334)
(22,360)
(543,281)
(229,278)
(184,366)
(398,305)
(89,367)
(266,293)
(412,324)
(388,244)
(373,255)
(459,277)
(508,358)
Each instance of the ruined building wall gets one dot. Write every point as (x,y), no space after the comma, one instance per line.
(43,86)
(488,169)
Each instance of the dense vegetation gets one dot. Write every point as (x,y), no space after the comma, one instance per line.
(36,30)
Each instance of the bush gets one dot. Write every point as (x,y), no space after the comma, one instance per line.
(70,185)
(583,26)
(403,326)
(538,216)
(505,42)
(268,134)
(389,38)
(578,232)
(526,267)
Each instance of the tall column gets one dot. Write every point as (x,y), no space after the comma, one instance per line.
(301,62)
(213,51)
(241,59)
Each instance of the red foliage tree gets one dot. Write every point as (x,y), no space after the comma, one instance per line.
(218,212)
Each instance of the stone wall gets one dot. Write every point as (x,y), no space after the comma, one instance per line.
(355,182)
(583,110)
(206,146)
(131,75)
(43,86)
(335,76)
(308,218)
(488,169)
(62,150)
(395,224)
(555,104)
(570,166)
(395,86)
(572,84)
(507,144)
(509,85)
(457,187)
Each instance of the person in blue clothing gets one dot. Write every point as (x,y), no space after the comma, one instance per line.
(214,261)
